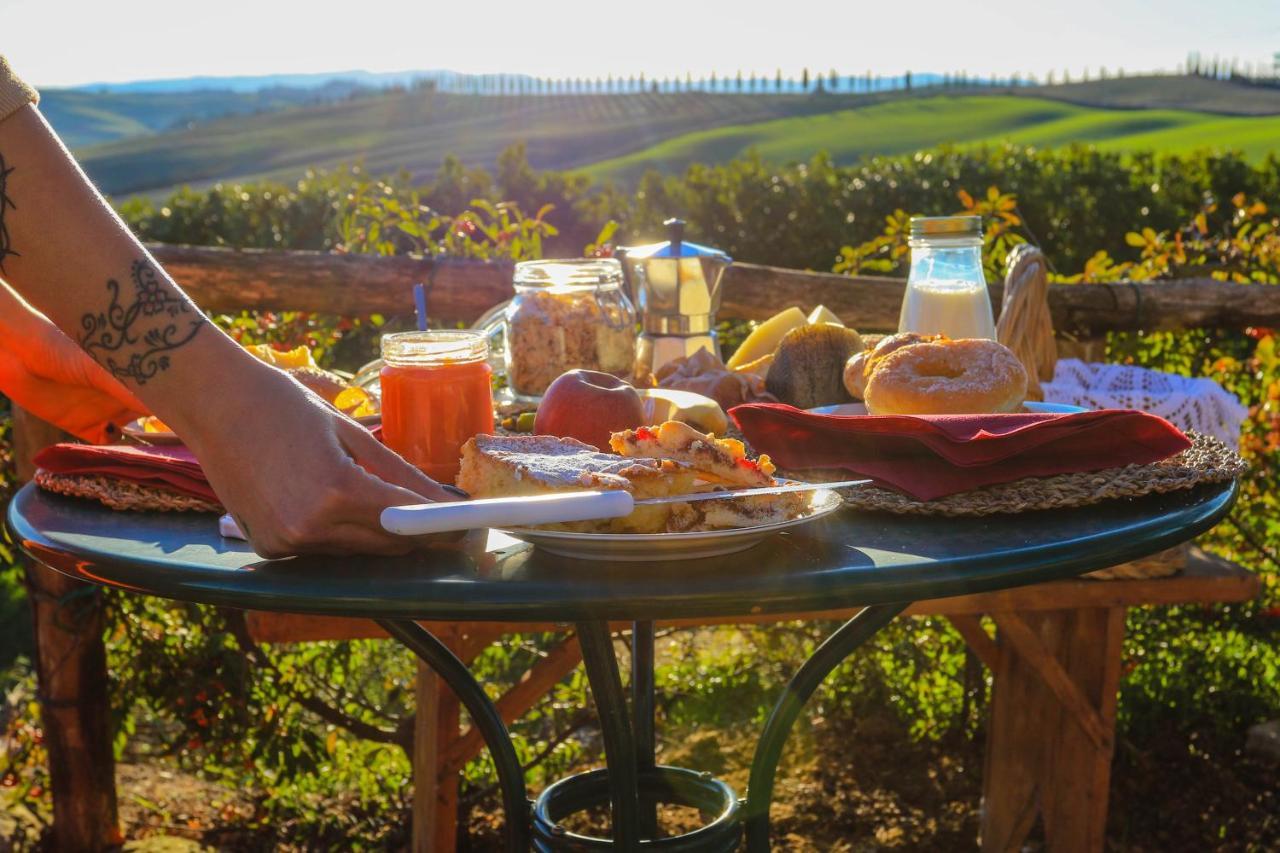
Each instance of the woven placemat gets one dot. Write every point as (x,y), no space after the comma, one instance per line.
(121,495)
(1208,460)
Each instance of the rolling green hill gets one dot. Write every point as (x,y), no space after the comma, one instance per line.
(619,136)
(84,118)
(416,130)
(911,124)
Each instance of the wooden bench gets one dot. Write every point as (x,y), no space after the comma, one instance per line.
(1055,659)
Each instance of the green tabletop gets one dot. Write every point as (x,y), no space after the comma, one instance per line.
(850,558)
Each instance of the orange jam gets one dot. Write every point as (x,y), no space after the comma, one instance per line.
(436,394)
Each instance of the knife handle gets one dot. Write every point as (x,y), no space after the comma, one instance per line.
(421,519)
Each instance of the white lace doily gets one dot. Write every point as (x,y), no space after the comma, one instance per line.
(1199,404)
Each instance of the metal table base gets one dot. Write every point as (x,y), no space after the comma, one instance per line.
(634,784)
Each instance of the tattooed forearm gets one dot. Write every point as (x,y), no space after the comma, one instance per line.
(134,336)
(6,205)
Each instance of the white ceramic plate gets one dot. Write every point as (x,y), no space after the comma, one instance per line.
(1033,408)
(635,547)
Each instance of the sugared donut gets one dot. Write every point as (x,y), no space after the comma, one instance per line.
(971,376)
(857,370)
(892,343)
(855,373)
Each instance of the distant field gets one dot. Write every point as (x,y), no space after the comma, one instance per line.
(416,130)
(911,124)
(619,136)
(86,118)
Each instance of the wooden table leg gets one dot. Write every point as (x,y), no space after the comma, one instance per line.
(435,791)
(1079,771)
(1051,730)
(71,666)
(426,759)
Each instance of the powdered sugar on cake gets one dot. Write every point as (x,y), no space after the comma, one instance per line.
(560,462)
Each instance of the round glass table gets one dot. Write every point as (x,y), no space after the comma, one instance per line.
(881,562)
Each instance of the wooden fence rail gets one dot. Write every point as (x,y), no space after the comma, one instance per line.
(230,279)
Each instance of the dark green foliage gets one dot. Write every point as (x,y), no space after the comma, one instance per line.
(1073,202)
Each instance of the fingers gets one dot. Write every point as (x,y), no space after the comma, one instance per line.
(345,518)
(383,462)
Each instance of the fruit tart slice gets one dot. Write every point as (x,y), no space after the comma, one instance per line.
(514,465)
(720,462)
(716,460)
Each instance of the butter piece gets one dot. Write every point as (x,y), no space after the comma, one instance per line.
(823,314)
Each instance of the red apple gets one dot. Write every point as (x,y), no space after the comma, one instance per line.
(589,406)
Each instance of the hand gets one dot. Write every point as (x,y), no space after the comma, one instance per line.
(46,373)
(297,475)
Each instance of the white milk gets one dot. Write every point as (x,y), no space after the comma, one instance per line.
(951,307)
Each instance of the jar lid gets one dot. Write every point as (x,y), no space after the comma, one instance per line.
(435,347)
(945,227)
(571,273)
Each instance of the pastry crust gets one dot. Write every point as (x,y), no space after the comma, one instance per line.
(944,377)
(718,460)
(513,465)
(506,465)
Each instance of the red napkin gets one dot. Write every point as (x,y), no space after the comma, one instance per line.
(174,467)
(933,456)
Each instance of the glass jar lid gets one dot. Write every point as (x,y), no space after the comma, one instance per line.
(435,347)
(946,228)
(569,274)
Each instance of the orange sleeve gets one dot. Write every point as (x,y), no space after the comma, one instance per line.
(14,94)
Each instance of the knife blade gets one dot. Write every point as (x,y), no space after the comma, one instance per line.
(424,519)
(723,494)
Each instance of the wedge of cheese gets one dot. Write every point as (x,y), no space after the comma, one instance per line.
(823,314)
(766,337)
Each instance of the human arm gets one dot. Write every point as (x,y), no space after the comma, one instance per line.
(298,475)
(46,373)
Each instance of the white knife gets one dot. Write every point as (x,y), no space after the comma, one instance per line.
(422,519)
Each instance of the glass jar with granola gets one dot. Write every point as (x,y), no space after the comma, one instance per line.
(567,314)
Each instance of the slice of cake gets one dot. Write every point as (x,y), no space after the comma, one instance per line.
(512,465)
(717,460)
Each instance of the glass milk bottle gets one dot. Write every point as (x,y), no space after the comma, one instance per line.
(946,291)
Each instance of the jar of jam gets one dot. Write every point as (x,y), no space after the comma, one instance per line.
(437,392)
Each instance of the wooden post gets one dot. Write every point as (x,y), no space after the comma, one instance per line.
(71,665)
(1052,728)
(435,793)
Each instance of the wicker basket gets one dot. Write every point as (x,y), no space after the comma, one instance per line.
(1026,327)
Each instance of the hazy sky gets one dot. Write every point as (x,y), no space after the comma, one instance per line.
(64,42)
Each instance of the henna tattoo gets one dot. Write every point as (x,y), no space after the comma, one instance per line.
(6,205)
(124,342)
